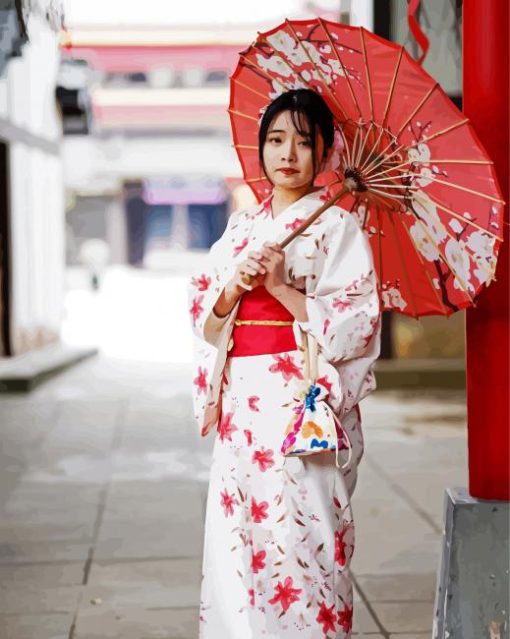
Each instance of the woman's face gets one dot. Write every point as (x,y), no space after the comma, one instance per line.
(288,155)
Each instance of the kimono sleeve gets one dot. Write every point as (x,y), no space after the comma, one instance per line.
(344,307)
(207,283)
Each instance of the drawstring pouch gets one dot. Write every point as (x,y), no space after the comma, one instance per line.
(314,426)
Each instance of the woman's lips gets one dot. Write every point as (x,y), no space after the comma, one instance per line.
(288,171)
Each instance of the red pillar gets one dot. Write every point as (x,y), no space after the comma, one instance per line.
(485,102)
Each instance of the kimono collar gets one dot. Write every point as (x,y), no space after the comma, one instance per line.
(265,206)
(291,217)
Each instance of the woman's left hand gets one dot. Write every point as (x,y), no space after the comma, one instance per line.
(273,259)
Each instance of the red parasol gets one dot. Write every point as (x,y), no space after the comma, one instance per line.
(406,162)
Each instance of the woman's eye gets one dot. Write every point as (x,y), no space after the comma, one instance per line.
(278,140)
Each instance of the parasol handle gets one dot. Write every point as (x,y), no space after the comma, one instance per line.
(311,218)
(347,188)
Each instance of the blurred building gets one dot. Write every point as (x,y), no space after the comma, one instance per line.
(158,172)
(31,181)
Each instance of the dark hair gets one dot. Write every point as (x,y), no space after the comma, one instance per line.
(303,104)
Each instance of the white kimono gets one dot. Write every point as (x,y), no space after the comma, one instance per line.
(279,531)
(333,262)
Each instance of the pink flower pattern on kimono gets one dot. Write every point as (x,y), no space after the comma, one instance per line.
(202,283)
(226,427)
(286,365)
(345,618)
(257,560)
(228,501)
(196,308)
(348,293)
(252,401)
(285,594)
(341,545)
(340,304)
(327,618)
(294,224)
(200,380)
(241,247)
(264,458)
(259,511)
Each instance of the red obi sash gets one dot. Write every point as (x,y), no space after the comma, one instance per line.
(255,339)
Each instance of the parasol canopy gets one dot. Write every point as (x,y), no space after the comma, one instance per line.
(406,162)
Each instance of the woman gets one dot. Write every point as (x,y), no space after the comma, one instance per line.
(279,532)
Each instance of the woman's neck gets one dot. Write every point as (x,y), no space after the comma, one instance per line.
(282,198)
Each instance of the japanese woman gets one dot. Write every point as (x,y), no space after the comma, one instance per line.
(279,532)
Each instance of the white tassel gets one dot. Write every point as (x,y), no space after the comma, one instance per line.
(349,445)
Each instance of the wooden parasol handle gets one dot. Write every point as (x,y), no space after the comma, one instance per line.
(347,188)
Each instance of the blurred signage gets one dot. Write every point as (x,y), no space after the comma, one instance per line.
(185,189)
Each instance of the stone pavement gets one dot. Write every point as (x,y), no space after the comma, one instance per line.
(103,481)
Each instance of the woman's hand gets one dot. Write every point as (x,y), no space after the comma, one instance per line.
(266,267)
(253,266)
(273,259)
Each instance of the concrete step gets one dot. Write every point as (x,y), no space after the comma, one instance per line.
(22,373)
(420,373)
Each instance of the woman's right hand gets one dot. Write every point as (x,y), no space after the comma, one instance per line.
(253,267)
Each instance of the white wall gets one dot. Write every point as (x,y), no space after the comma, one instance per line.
(37,245)
(362,13)
(30,83)
(27,100)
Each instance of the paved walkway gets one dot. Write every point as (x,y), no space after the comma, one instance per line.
(102,492)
